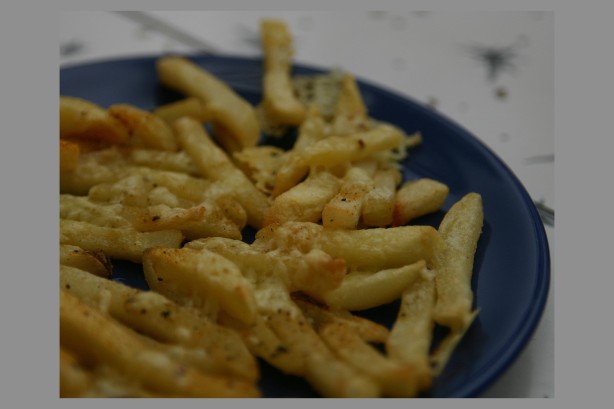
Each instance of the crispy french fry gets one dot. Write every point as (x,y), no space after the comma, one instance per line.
(235,122)
(378,203)
(83,119)
(460,231)
(69,156)
(305,201)
(279,102)
(417,198)
(361,291)
(94,262)
(412,332)
(343,211)
(216,165)
(192,107)
(260,164)
(120,243)
(194,277)
(350,110)
(98,339)
(163,160)
(145,128)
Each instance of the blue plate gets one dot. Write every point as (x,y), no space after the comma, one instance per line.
(512,265)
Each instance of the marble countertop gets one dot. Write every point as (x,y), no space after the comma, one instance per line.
(491,72)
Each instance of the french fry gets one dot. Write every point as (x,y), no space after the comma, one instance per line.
(319,90)
(145,128)
(120,243)
(378,203)
(155,316)
(192,107)
(343,211)
(69,156)
(163,160)
(417,198)
(361,291)
(74,379)
(215,165)
(260,164)
(80,208)
(198,277)
(305,201)
(443,352)
(235,122)
(94,262)
(460,231)
(82,119)
(279,102)
(412,332)
(350,110)
(98,339)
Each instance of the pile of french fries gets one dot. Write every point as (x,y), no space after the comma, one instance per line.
(174,188)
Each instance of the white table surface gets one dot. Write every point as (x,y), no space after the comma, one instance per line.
(430,56)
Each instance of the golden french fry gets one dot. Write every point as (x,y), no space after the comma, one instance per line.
(85,120)
(145,128)
(69,156)
(343,211)
(305,201)
(163,160)
(417,198)
(98,339)
(460,231)
(350,110)
(235,122)
(412,332)
(216,165)
(361,291)
(120,243)
(192,107)
(94,262)
(199,277)
(260,164)
(279,102)
(378,203)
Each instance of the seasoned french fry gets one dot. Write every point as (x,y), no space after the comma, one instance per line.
(153,315)
(145,128)
(235,122)
(98,339)
(412,332)
(121,243)
(460,231)
(279,102)
(378,203)
(164,160)
(305,201)
(80,208)
(260,164)
(69,156)
(417,198)
(83,119)
(195,277)
(94,262)
(361,291)
(215,164)
(192,107)
(343,211)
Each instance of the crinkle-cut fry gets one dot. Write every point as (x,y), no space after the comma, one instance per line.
(94,262)
(460,231)
(320,315)
(279,102)
(235,122)
(85,120)
(190,276)
(69,156)
(217,166)
(329,375)
(314,273)
(444,350)
(191,106)
(344,209)
(416,198)
(74,379)
(260,164)
(163,160)
(378,203)
(361,291)
(154,315)
(121,243)
(145,129)
(304,201)
(97,339)
(412,332)
(394,378)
